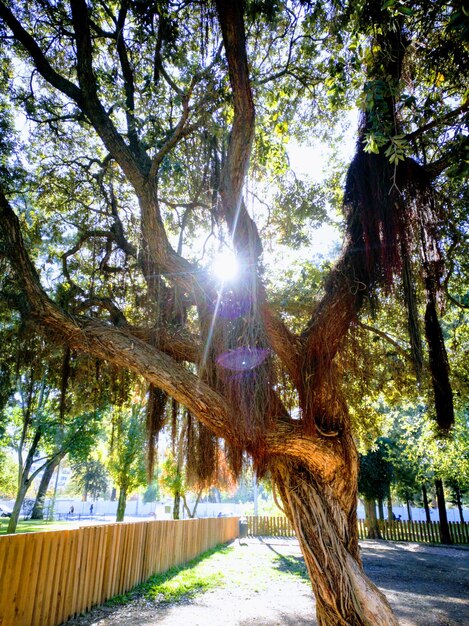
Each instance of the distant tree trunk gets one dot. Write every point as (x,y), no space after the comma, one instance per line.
(389,499)
(15,515)
(113,494)
(191,514)
(445,534)
(38,509)
(425,504)
(457,493)
(381,509)
(121,504)
(176,505)
(409,510)
(371,519)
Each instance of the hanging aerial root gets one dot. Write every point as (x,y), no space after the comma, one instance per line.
(155,420)
(393,229)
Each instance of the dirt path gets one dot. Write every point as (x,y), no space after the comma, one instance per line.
(426,586)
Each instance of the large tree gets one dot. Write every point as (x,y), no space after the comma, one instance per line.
(142,121)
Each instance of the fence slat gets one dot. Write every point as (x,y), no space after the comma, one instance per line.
(46,578)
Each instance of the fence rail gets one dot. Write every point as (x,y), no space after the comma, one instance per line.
(421,532)
(48,577)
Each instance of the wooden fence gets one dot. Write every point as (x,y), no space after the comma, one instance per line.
(48,577)
(421,532)
(269,526)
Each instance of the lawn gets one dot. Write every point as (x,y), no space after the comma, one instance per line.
(34,526)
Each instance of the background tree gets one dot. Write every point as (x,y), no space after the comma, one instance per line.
(74,438)
(374,481)
(90,476)
(8,476)
(125,462)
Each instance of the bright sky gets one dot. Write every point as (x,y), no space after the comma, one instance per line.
(312,162)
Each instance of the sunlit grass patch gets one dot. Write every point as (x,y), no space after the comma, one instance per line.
(183,586)
(246,567)
(33,526)
(181,582)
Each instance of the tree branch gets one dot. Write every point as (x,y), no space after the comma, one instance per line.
(120,347)
(133,167)
(287,346)
(437,122)
(388,339)
(42,64)
(242,131)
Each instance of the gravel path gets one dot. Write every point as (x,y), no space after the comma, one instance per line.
(426,586)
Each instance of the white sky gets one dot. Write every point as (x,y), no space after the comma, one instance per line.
(312,162)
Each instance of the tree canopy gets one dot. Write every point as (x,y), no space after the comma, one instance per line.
(141,140)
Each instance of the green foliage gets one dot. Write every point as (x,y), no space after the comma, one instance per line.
(125,462)
(152,493)
(376,472)
(171,479)
(90,477)
(8,475)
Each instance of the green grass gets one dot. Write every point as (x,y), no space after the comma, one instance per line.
(244,567)
(179,583)
(34,526)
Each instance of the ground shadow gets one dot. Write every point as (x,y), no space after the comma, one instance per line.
(291,564)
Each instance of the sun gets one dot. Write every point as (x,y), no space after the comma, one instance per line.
(225,266)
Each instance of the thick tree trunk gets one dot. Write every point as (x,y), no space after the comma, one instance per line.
(445,534)
(121,504)
(38,508)
(425,504)
(371,519)
(324,518)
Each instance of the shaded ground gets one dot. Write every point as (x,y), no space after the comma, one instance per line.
(265,583)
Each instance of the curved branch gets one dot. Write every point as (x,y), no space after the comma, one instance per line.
(287,345)
(235,168)
(121,347)
(437,122)
(128,76)
(388,339)
(335,312)
(134,168)
(84,237)
(178,133)
(40,61)
(85,96)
